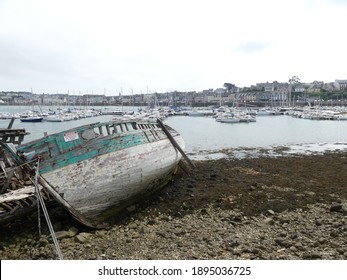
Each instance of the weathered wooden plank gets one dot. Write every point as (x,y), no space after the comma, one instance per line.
(15,208)
(10,135)
(6,206)
(18,194)
(3,167)
(108,130)
(7,181)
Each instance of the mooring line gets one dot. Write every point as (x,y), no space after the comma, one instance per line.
(42,203)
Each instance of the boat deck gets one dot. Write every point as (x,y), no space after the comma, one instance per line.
(14,136)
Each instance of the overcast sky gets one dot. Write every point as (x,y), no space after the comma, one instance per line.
(134,46)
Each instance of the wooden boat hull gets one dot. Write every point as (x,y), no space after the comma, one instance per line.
(99,169)
(106,184)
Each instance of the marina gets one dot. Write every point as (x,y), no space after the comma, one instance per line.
(204,134)
(80,153)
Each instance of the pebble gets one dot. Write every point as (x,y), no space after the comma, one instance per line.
(336,207)
(72,231)
(62,234)
(269,221)
(267,225)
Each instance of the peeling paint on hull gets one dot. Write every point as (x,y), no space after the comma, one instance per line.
(93,173)
(111,180)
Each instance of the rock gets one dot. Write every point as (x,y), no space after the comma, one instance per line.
(322,240)
(82,237)
(336,207)
(43,241)
(205,227)
(261,247)
(237,252)
(269,221)
(299,246)
(310,193)
(62,234)
(143,230)
(282,242)
(167,218)
(293,248)
(284,220)
(161,233)
(101,232)
(132,226)
(136,235)
(72,231)
(315,255)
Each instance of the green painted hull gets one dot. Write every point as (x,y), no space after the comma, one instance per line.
(102,168)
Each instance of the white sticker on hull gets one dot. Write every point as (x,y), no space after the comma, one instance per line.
(71,136)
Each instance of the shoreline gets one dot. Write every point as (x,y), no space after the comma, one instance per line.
(287,207)
(271,151)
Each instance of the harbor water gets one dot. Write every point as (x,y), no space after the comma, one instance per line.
(204,134)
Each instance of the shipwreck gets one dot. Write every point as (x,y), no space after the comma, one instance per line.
(94,171)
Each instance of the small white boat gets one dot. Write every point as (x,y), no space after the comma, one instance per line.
(54,118)
(228,118)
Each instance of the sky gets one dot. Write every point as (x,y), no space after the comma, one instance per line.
(146,46)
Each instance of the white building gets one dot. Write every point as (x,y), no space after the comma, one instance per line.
(341,84)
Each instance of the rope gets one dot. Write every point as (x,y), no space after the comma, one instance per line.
(26,163)
(55,241)
(37,194)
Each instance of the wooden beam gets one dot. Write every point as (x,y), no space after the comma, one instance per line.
(174,143)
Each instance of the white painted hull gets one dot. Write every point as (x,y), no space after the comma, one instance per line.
(230,120)
(115,179)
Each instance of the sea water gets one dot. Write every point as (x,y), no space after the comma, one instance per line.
(205,136)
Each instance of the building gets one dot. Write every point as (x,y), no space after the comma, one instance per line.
(340,84)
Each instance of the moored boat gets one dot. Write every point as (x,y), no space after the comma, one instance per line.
(31,119)
(97,170)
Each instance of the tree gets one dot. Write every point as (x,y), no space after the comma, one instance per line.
(229,86)
(292,81)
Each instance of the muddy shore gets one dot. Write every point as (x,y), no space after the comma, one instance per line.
(291,207)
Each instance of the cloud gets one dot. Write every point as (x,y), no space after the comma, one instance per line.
(185,45)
